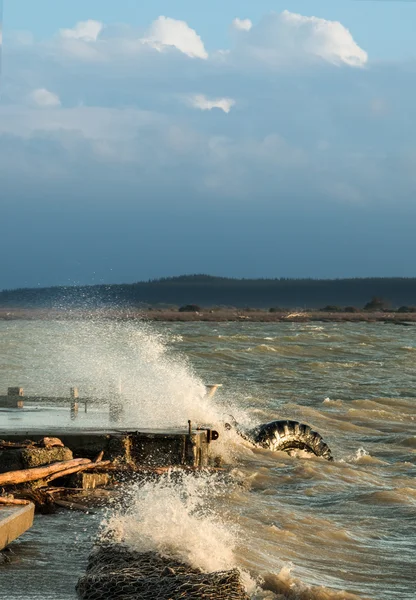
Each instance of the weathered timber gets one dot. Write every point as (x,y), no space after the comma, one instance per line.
(27,475)
(14,521)
(11,501)
(77,469)
(90,481)
(11,402)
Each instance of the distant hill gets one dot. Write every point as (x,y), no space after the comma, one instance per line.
(207,291)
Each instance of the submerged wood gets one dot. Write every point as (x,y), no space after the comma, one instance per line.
(72,506)
(26,475)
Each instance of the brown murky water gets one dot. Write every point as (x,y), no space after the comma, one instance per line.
(310,529)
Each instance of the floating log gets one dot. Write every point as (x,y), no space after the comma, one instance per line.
(27,475)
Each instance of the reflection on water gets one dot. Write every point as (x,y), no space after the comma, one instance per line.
(312,529)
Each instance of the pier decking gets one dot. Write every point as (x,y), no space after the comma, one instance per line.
(14,520)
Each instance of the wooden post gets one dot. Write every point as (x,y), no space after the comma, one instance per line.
(115,403)
(74,402)
(16,392)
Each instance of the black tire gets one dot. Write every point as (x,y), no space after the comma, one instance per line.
(290,435)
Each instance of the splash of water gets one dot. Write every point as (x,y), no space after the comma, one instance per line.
(174,517)
(134,362)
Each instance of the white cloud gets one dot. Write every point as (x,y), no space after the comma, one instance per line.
(202,102)
(87,31)
(44,98)
(329,40)
(242,24)
(290,37)
(165,32)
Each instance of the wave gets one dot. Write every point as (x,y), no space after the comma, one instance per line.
(262,348)
(398,496)
(409,442)
(330,402)
(363,457)
(284,585)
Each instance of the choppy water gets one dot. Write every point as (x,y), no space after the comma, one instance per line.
(311,529)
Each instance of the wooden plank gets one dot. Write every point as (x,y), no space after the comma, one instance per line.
(14,521)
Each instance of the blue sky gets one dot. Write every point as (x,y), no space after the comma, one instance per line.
(267,139)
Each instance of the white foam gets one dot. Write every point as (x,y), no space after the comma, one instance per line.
(174,517)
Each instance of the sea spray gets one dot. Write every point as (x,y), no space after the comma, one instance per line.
(174,517)
(133,363)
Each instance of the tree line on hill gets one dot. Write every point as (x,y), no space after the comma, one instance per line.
(208,291)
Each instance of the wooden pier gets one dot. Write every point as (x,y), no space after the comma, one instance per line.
(147,447)
(69,456)
(14,520)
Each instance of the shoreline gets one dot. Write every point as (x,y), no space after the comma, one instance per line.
(208,315)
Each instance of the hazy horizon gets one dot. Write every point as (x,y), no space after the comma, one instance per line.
(213,277)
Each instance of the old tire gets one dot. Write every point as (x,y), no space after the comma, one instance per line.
(290,435)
